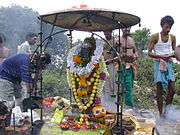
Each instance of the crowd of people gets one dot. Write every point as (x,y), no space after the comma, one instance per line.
(161,48)
(16,79)
(128,54)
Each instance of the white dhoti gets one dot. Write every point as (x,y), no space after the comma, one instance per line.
(108,101)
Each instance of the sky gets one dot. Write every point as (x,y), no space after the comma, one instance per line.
(150,11)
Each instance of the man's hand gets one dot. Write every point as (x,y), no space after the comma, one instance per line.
(108,61)
(166,57)
(130,58)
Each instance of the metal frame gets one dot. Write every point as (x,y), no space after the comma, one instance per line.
(118,129)
(36,71)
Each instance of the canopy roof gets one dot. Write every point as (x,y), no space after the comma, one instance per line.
(90,19)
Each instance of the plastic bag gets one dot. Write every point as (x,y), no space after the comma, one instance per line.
(58,116)
(16,115)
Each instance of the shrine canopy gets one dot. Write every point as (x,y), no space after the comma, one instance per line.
(90,19)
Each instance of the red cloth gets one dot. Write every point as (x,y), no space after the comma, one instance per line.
(162,65)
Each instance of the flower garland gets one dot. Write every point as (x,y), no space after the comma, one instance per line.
(96,82)
(86,76)
(83,71)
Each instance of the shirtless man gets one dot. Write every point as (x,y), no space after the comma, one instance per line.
(128,53)
(4,52)
(160,48)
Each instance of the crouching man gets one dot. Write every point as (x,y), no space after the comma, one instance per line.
(13,71)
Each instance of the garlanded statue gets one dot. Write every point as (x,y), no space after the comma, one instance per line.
(86,74)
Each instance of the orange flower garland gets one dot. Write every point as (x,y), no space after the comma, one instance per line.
(83,77)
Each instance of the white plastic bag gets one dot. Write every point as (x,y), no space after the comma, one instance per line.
(16,115)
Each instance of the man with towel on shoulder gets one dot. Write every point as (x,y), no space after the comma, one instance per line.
(161,48)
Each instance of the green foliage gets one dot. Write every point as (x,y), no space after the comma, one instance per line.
(144,88)
(55,83)
(141,38)
(176,100)
(177,77)
(15,23)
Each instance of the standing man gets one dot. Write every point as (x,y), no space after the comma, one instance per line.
(17,69)
(108,94)
(160,48)
(128,54)
(31,39)
(4,52)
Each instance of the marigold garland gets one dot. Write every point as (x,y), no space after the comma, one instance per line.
(86,82)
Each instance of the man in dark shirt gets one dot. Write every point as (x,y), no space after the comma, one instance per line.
(17,69)
(12,71)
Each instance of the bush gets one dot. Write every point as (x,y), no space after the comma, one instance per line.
(145,88)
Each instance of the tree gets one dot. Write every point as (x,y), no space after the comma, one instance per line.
(57,45)
(16,22)
(55,83)
(141,38)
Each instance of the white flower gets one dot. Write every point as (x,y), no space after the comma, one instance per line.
(84,71)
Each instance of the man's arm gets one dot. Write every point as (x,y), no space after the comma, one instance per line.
(135,52)
(173,38)
(29,87)
(109,52)
(153,41)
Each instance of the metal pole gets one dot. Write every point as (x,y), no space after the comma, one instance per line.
(118,129)
(41,94)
